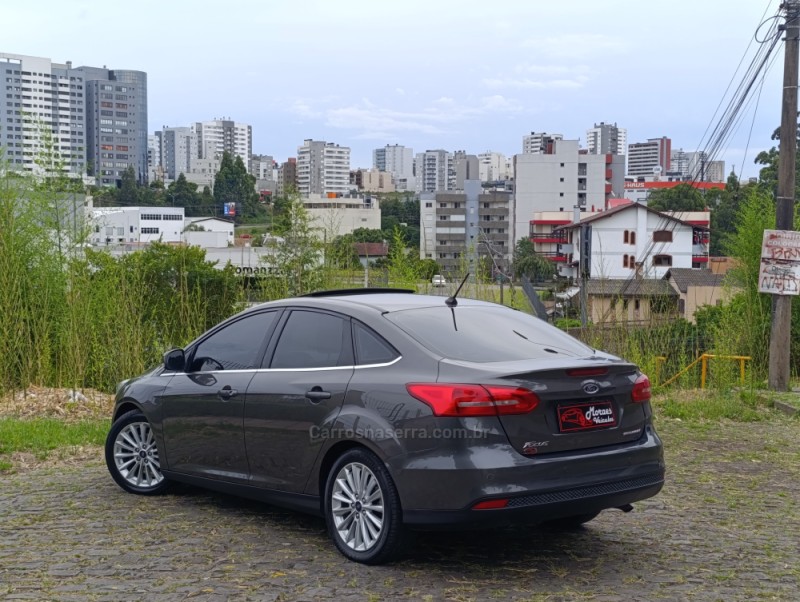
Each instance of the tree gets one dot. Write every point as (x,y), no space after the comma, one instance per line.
(233,184)
(128,193)
(182,193)
(682,197)
(527,262)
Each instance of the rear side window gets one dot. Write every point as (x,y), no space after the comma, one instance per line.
(370,347)
(486,334)
(313,340)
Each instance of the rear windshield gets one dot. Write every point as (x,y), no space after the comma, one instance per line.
(486,334)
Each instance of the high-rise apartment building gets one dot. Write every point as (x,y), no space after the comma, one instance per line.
(178,150)
(563,179)
(116,123)
(458,227)
(606,139)
(435,171)
(220,135)
(538,142)
(493,167)
(322,168)
(398,160)
(39,100)
(287,177)
(649,158)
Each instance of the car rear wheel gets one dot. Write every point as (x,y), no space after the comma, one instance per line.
(132,455)
(362,508)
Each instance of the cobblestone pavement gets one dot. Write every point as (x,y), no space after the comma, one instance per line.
(724,528)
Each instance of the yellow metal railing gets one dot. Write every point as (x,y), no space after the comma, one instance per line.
(703,361)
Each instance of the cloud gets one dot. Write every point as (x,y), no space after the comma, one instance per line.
(368,120)
(575,46)
(538,84)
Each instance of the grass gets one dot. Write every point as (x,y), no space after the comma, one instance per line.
(41,436)
(695,405)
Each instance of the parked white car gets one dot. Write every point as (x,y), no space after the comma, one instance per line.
(438,280)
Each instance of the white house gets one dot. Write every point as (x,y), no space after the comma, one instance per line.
(135,225)
(632,240)
(208,232)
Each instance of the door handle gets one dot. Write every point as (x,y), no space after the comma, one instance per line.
(225,393)
(316,394)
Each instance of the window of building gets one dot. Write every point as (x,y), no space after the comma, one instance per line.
(625,261)
(624,304)
(633,238)
(662,236)
(149,230)
(626,237)
(428,205)
(662,260)
(636,304)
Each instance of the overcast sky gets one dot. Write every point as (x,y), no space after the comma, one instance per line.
(457,75)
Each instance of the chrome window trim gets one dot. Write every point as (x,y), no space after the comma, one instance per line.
(258,370)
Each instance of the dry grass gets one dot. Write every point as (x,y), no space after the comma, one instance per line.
(65,404)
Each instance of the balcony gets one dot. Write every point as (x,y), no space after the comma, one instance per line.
(699,258)
(550,237)
(555,256)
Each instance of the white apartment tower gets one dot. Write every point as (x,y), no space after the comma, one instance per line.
(538,142)
(220,135)
(605,138)
(397,160)
(650,158)
(178,150)
(323,168)
(435,171)
(493,167)
(40,97)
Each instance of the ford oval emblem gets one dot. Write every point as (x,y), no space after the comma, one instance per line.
(591,388)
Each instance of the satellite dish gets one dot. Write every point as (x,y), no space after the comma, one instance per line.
(657,170)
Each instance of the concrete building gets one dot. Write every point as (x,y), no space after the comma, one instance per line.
(372,180)
(113,226)
(338,216)
(208,232)
(287,177)
(219,135)
(398,160)
(493,167)
(323,168)
(434,171)
(178,151)
(696,166)
(41,98)
(116,123)
(465,167)
(650,158)
(632,241)
(538,142)
(459,227)
(605,138)
(563,178)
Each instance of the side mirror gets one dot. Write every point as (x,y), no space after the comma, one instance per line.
(174,360)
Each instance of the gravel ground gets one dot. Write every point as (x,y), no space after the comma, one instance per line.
(725,527)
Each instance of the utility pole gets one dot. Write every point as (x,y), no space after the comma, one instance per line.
(780,340)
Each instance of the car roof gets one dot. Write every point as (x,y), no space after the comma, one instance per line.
(382,302)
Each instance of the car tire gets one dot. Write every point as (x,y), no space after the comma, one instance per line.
(362,508)
(132,455)
(569,523)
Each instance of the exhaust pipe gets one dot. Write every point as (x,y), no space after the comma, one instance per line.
(625,508)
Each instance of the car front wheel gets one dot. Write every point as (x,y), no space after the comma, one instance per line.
(362,508)
(132,455)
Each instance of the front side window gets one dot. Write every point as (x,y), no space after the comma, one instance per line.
(313,339)
(237,346)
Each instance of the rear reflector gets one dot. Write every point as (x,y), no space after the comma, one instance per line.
(641,389)
(447,399)
(491,504)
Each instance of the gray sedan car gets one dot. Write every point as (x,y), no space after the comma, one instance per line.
(388,411)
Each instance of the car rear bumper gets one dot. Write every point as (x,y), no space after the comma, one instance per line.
(437,489)
(540,507)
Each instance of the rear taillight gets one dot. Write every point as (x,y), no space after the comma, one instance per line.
(447,399)
(641,389)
